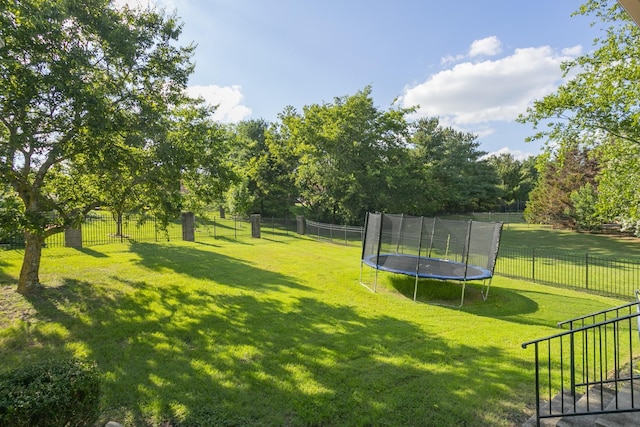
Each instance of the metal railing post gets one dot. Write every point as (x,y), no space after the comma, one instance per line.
(533,265)
(586,267)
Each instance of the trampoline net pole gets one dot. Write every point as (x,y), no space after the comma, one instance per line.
(415,289)
(467,245)
(378,245)
(400,234)
(364,240)
(433,232)
(446,249)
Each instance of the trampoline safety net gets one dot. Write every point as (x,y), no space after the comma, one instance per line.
(431,247)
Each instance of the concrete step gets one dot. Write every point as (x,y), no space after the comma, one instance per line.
(562,402)
(599,398)
(624,401)
(596,399)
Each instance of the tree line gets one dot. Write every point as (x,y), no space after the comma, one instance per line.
(336,161)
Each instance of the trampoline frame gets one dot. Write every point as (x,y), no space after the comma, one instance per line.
(486,274)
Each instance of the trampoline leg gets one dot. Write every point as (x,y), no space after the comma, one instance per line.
(375,281)
(367,285)
(464,284)
(485,289)
(415,290)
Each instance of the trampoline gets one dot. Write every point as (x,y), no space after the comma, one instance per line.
(431,248)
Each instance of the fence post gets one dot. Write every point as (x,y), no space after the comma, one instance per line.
(533,265)
(586,272)
(301,224)
(255,226)
(188,226)
(73,237)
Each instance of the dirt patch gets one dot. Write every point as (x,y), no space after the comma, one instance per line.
(13,306)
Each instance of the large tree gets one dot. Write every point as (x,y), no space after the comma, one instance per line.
(80,83)
(347,152)
(600,97)
(454,176)
(598,107)
(571,171)
(266,185)
(517,179)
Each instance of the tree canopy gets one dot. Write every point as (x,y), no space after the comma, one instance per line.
(338,160)
(596,110)
(89,95)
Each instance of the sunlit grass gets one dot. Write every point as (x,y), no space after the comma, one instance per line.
(278,331)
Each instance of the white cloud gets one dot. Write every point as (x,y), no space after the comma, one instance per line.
(451,58)
(572,51)
(489,46)
(228,100)
(478,93)
(517,154)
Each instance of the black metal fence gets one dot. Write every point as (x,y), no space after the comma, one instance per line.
(101,228)
(603,275)
(341,234)
(240,227)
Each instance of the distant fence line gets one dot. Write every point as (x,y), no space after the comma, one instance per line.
(608,276)
(583,271)
(342,234)
(101,229)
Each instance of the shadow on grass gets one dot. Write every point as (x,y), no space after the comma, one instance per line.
(174,355)
(4,277)
(502,303)
(208,265)
(92,252)
(232,239)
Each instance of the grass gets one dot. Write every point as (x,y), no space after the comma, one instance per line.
(544,237)
(278,331)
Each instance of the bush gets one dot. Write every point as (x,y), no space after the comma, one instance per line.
(52,393)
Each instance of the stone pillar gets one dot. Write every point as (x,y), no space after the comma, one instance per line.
(301,224)
(255,226)
(73,237)
(188,226)
(222,213)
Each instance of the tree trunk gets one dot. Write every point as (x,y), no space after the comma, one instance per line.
(119,226)
(29,279)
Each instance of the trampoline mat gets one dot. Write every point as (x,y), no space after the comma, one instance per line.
(427,268)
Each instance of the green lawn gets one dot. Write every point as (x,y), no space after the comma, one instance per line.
(544,237)
(278,331)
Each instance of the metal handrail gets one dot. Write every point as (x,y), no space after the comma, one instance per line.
(582,328)
(592,351)
(599,313)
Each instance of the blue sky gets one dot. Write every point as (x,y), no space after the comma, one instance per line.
(474,64)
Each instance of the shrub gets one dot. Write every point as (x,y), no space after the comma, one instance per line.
(52,393)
